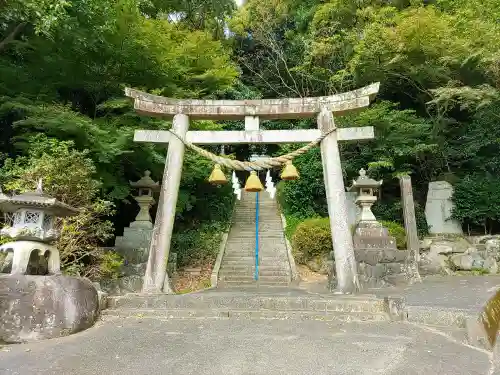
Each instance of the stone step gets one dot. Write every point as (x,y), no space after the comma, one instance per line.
(241,240)
(255,283)
(245,267)
(241,266)
(263,229)
(250,213)
(239,277)
(263,210)
(249,315)
(250,245)
(282,265)
(248,219)
(247,222)
(245,258)
(243,301)
(229,272)
(259,283)
(251,258)
(250,232)
(250,251)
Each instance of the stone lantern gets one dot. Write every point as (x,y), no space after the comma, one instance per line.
(379,262)
(365,187)
(33,219)
(145,189)
(369,233)
(134,244)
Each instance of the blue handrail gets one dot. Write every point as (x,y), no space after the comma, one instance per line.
(256,276)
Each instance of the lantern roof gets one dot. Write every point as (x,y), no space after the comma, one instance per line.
(365,182)
(36,200)
(145,182)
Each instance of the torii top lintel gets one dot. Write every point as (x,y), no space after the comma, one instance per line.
(343,103)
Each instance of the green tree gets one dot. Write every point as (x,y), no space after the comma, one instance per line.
(69,175)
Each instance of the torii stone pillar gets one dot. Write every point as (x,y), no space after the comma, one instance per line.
(156,278)
(156,271)
(345,263)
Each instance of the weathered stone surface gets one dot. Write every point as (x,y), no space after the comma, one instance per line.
(345,264)
(412,243)
(134,244)
(102,295)
(132,277)
(352,209)
(123,285)
(463,262)
(372,235)
(458,245)
(134,269)
(372,276)
(441,248)
(426,243)
(443,255)
(435,264)
(491,265)
(6,261)
(473,261)
(267,108)
(439,207)
(493,245)
(43,307)
(374,256)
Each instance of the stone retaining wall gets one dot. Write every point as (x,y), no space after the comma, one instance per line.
(380,267)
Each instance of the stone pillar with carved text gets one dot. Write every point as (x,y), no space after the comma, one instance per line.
(412,241)
(345,263)
(156,278)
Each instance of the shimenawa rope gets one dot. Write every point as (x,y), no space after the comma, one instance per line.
(258,165)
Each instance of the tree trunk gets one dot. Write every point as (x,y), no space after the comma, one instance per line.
(12,35)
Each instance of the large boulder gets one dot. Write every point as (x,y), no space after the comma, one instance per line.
(42,307)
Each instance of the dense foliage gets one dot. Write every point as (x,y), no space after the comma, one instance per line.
(436,114)
(64,64)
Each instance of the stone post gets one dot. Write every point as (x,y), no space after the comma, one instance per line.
(156,278)
(143,218)
(412,242)
(345,263)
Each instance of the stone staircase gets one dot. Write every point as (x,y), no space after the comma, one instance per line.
(238,264)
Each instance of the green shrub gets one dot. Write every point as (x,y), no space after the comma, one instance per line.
(110,264)
(199,245)
(397,231)
(292,222)
(312,238)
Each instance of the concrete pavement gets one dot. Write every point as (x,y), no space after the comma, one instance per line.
(140,346)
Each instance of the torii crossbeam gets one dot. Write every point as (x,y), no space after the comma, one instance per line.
(156,279)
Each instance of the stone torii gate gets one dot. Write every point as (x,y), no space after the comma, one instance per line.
(156,278)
